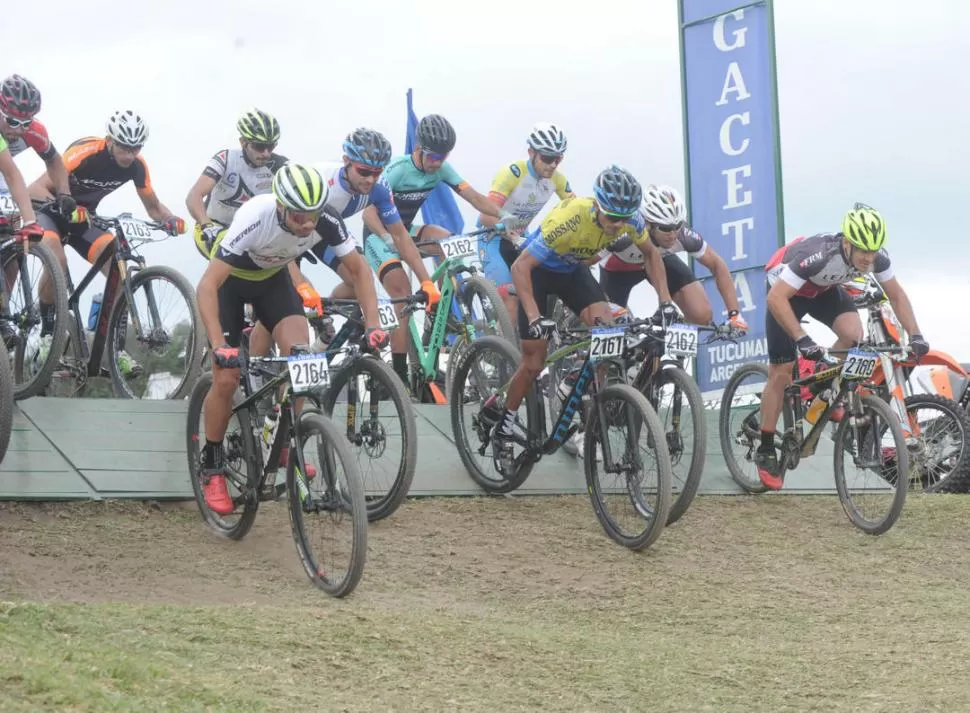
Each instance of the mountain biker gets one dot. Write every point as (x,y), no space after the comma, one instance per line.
(233,176)
(254,263)
(665,215)
(805,277)
(522,188)
(554,261)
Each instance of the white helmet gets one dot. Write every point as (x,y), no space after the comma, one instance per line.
(127,128)
(548,139)
(662,206)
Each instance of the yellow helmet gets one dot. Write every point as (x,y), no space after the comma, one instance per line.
(300,188)
(864,228)
(256,125)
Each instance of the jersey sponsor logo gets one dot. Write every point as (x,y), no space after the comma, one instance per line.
(246,231)
(569,189)
(571,224)
(413,195)
(231,178)
(810,260)
(515,170)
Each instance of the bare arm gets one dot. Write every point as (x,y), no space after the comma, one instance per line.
(481,203)
(780,307)
(17,186)
(901,304)
(722,277)
(497,200)
(522,279)
(57,172)
(362,279)
(373,221)
(207,294)
(653,265)
(195,200)
(297,277)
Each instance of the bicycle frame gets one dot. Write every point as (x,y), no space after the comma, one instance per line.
(428,357)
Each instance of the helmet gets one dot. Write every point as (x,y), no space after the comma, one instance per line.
(300,188)
(368,147)
(127,128)
(864,228)
(256,125)
(19,98)
(548,139)
(662,206)
(617,191)
(436,134)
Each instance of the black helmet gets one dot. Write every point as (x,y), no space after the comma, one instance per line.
(436,134)
(617,191)
(19,98)
(368,147)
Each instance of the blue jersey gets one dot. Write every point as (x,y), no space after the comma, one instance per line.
(411,186)
(347,202)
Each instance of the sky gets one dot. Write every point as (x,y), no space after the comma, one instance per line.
(872,102)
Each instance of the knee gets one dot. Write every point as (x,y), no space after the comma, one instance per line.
(532,364)
(225,382)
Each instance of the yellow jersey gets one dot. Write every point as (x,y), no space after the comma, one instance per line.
(518,189)
(570,235)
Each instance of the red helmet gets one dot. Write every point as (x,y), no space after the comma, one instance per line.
(19,98)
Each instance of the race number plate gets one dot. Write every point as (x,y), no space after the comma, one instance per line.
(681,340)
(308,370)
(386,315)
(134,229)
(859,365)
(606,343)
(6,203)
(459,247)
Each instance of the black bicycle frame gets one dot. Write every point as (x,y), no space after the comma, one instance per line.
(7,249)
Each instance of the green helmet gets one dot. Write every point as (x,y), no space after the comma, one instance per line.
(864,228)
(300,188)
(256,125)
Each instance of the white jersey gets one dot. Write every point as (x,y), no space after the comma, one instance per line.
(624,255)
(258,246)
(236,182)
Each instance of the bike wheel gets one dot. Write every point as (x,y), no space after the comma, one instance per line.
(36,357)
(688,453)
(169,347)
(385,488)
(941,460)
(630,408)
(242,464)
(338,501)
(485,371)
(885,489)
(6,401)
(740,424)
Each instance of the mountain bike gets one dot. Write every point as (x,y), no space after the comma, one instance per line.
(251,474)
(640,488)
(859,437)
(34,357)
(6,401)
(168,348)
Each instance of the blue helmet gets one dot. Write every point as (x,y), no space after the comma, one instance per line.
(617,191)
(367,147)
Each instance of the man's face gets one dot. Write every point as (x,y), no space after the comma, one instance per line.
(431,162)
(544,164)
(299,223)
(257,152)
(361,178)
(862,260)
(123,155)
(13,128)
(611,224)
(666,235)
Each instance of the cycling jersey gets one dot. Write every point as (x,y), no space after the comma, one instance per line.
(236,182)
(347,202)
(816,264)
(570,235)
(521,191)
(93,174)
(411,186)
(627,257)
(34,137)
(258,246)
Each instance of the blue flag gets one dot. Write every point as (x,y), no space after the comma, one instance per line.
(440,207)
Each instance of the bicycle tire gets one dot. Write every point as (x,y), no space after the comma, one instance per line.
(509,353)
(649,535)
(193,349)
(695,469)
(386,376)
(6,401)
(750,485)
(193,439)
(885,413)
(337,443)
(42,376)
(959,479)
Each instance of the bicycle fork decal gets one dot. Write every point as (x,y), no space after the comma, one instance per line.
(575,399)
(897,399)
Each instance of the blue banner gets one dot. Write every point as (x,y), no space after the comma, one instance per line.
(440,207)
(733,165)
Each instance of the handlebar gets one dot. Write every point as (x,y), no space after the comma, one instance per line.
(470,234)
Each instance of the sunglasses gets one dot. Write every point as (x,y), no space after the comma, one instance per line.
(17,123)
(367,171)
(611,218)
(550,159)
(128,149)
(434,156)
(260,147)
(303,217)
(669,228)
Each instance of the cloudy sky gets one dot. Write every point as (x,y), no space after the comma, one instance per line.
(872,101)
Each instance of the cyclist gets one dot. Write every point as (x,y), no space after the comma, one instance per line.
(554,261)
(254,263)
(522,188)
(233,176)
(96,168)
(805,277)
(665,215)
(412,177)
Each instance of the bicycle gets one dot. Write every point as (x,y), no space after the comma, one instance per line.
(457,313)
(6,401)
(169,344)
(251,474)
(32,367)
(859,433)
(603,349)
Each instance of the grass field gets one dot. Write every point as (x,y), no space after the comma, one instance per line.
(748,604)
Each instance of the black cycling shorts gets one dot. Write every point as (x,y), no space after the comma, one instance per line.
(272,299)
(619,283)
(86,240)
(825,307)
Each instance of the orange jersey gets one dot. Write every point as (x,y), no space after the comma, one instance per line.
(93,174)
